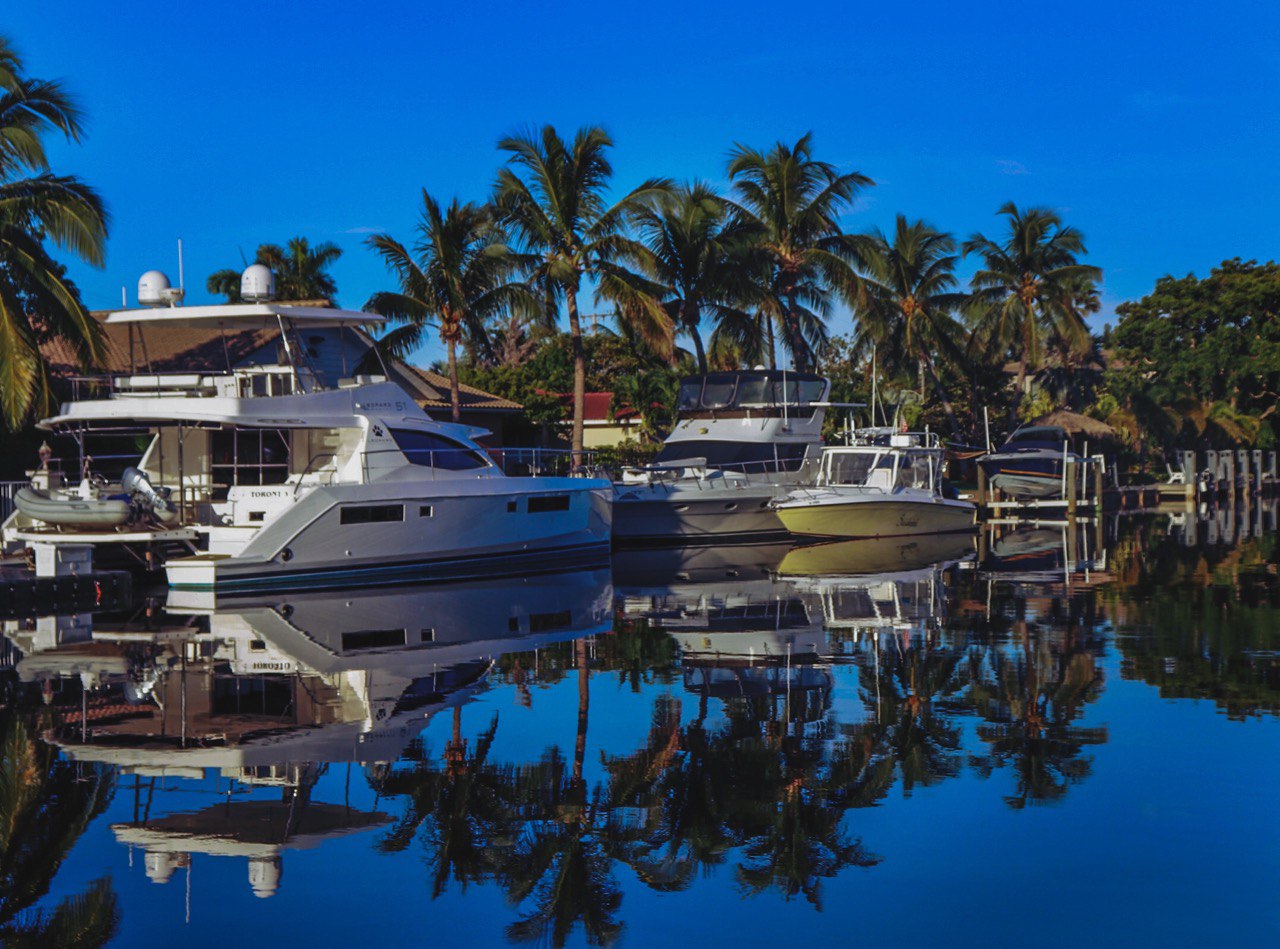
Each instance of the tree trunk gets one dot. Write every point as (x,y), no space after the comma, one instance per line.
(584,706)
(926,364)
(455,400)
(799,358)
(773,352)
(697,348)
(1019,385)
(579,375)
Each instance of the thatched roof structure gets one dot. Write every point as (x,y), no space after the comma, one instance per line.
(1073,423)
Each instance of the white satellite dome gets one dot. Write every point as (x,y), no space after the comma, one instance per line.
(152,289)
(257,284)
(264,876)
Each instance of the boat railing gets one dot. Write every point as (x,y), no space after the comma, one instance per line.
(244,383)
(8,490)
(711,477)
(513,462)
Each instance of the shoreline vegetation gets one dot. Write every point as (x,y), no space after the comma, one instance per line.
(681,278)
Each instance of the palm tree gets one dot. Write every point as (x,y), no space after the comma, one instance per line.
(1031,285)
(793,203)
(698,250)
(301,272)
(37,301)
(551,194)
(46,803)
(911,300)
(459,274)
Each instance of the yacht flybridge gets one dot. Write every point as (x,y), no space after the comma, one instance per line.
(280,473)
(741,440)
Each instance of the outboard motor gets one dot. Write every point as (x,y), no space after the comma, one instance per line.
(144,493)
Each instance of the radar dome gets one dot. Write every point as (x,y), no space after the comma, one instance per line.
(151,289)
(264,876)
(257,284)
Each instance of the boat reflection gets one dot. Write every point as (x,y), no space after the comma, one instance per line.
(255,693)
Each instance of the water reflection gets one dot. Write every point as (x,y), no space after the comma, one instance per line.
(709,718)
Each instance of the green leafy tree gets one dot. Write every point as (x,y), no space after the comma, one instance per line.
(552,196)
(793,203)
(301,272)
(1031,287)
(38,302)
(1197,360)
(460,274)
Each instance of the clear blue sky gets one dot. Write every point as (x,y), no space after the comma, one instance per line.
(1150,126)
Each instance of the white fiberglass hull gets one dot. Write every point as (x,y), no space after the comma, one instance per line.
(393,532)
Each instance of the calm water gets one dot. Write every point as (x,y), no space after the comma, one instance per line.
(1050,741)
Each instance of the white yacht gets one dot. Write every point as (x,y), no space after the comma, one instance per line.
(880,486)
(281,475)
(741,439)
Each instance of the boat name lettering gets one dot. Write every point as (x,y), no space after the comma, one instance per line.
(378,406)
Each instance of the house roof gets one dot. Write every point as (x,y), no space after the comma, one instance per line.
(595,407)
(200,349)
(432,391)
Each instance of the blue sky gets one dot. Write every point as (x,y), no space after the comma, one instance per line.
(1150,126)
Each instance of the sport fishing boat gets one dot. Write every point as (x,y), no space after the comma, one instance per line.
(888,486)
(290,473)
(1031,463)
(741,440)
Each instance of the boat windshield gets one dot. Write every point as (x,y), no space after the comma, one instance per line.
(757,389)
(853,467)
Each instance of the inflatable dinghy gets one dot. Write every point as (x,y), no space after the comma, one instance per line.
(73,512)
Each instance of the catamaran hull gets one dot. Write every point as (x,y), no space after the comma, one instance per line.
(877,518)
(504,528)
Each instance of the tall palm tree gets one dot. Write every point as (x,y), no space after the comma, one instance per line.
(691,243)
(552,195)
(794,202)
(301,271)
(911,301)
(459,274)
(1031,284)
(37,300)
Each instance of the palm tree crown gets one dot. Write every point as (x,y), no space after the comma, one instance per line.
(794,201)
(301,272)
(1030,285)
(37,300)
(458,275)
(552,196)
(911,299)
(698,250)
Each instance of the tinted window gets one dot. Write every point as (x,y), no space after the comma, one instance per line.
(372,514)
(549,502)
(735,455)
(690,393)
(435,451)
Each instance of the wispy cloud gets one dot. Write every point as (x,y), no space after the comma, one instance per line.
(364,230)
(1008,166)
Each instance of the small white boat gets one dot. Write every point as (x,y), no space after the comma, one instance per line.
(888,487)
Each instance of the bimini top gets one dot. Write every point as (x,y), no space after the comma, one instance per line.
(242,314)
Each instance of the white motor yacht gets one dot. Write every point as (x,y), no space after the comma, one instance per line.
(889,486)
(741,440)
(285,475)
